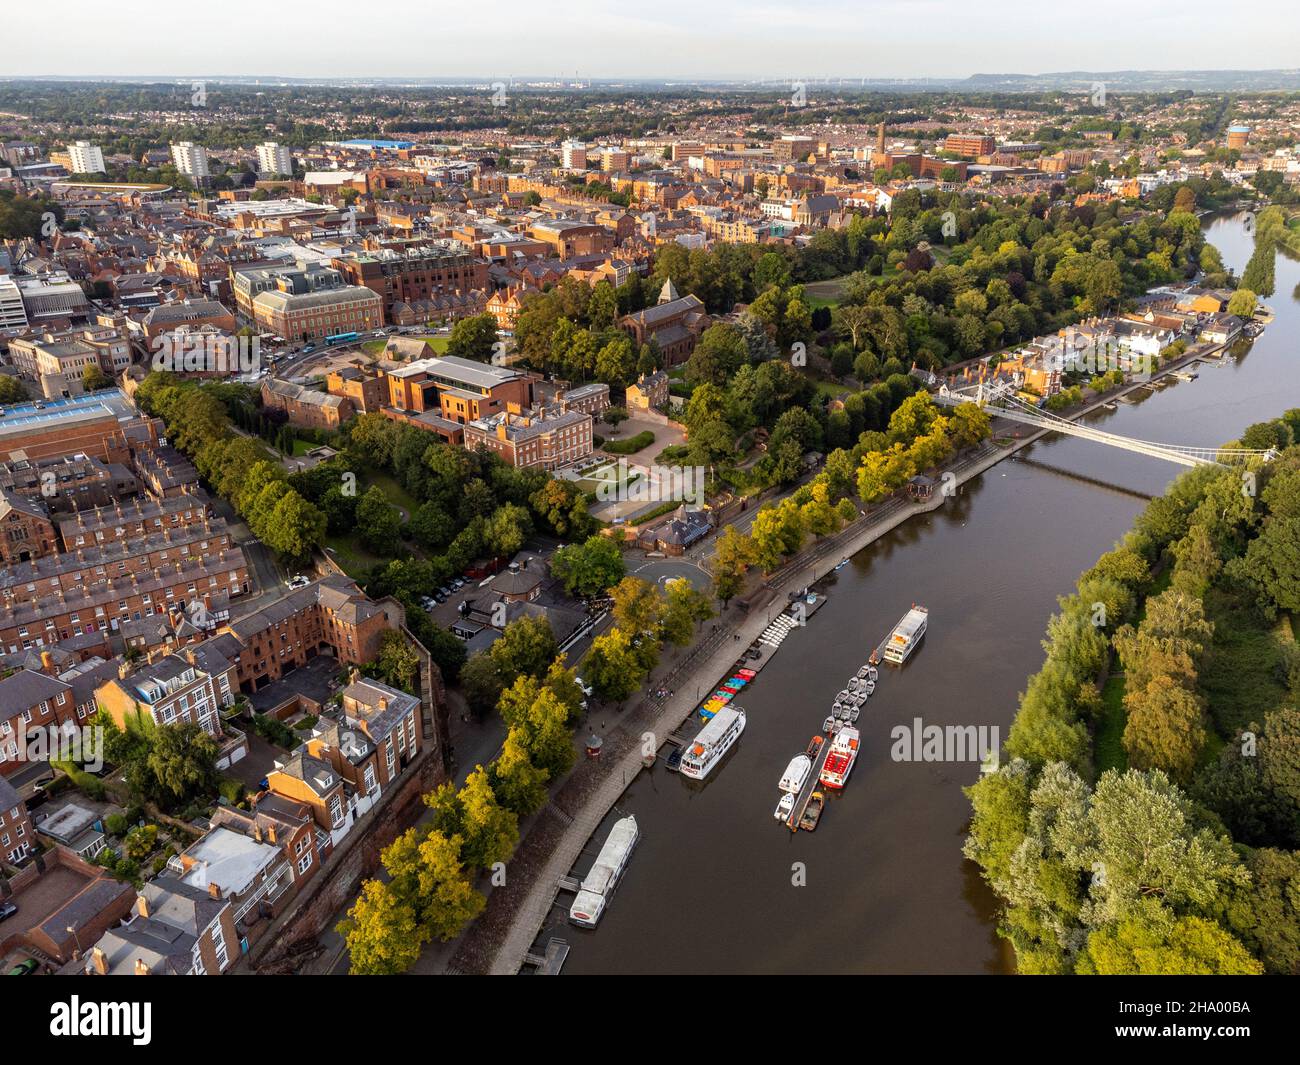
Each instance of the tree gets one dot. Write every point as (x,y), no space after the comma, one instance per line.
(526,648)
(1166,946)
(473,338)
(1243,303)
(733,554)
(427,874)
(182,762)
(491,831)
(397,662)
(519,785)
(378,521)
(686,608)
(383,934)
(481,681)
(612,667)
(590,568)
(638,606)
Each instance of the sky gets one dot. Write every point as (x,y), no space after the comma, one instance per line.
(706,39)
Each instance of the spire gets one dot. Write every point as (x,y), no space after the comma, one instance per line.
(669,292)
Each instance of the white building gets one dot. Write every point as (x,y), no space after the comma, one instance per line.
(574,155)
(12,313)
(86,158)
(274,158)
(191,160)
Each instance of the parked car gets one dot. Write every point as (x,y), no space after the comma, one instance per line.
(25,968)
(299,581)
(457,583)
(7,910)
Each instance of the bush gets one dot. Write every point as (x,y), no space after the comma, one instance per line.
(116,825)
(140,842)
(87,782)
(631,445)
(274,731)
(231,790)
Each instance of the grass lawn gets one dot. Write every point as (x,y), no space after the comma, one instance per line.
(301,447)
(374,347)
(349,554)
(1108,743)
(397,495)
(829,389)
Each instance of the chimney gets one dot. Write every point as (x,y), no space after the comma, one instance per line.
(123,668)
(214,890)
(142,968)
(142,906)
(99,961)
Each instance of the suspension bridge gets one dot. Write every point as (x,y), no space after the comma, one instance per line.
(1000,398)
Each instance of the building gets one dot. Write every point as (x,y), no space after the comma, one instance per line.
(674,324)
(570,239)
(547,437)
(58,360)
(52,295)
(650,392)
(590,399)
(793,148)
(331,615)
(456,391)
(100,424)
(389,718)
(414,275)
(26,531)
(13,315)
(193,313)
(970,145)
(254,876)
(174,929)
(191,160)
(306,407)
(317,315)
(17,836)
(1238,136)
(362,386)
(30,700)
(85,158)
(573,155)
(66,483)
(189,688)
(274,159)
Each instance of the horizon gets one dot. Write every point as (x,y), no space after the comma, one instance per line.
(725,42)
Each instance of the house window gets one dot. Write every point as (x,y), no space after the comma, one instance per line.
(304,863)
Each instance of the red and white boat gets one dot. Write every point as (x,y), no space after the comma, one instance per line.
(839,763)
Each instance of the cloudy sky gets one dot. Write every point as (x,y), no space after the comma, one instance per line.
(761,39)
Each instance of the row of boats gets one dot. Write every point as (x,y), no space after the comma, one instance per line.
(849,702)
(729,689)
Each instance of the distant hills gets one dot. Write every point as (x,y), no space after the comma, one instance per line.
(1061,81)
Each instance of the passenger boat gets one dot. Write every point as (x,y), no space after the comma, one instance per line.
(599,884)
(906,635)
(812,813)
(785,807)
(796,774)
(839,763)
(713,741)
(814,747)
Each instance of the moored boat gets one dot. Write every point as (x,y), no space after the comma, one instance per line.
(713,741)
(785,807)
(599,884)
(839,763)
(796,774)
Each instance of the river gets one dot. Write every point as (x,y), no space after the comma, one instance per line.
(711,887)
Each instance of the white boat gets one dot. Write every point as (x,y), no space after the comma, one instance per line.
(844,696)
(713,741)
(796,774)
(599,884)
(785,807)
(906,635)
(839,763)
(868,673)
(829,723)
